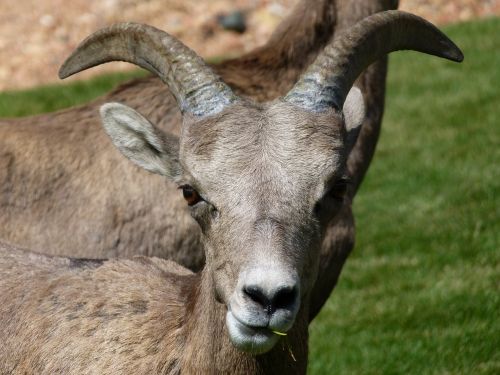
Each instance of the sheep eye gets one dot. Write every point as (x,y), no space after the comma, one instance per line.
(339,190)
(190,195)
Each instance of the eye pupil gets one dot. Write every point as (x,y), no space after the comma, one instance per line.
(190,195)
(187,192)
(339,190)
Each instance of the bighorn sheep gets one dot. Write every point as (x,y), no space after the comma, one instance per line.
(63,188)
(262,180)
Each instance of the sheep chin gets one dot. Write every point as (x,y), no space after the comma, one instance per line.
(252,340)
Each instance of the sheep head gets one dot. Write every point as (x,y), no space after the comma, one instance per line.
(263,180)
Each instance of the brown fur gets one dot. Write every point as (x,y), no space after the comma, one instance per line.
(64,189)
(137,316)
(148,315)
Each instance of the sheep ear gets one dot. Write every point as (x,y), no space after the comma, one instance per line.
(354,115)
(140,141)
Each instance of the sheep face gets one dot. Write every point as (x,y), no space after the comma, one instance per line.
(262,181)
(267,180)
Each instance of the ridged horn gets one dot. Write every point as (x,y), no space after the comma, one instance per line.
(197,89)
(326,83)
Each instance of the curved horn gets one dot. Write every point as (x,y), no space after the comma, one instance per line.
(197,89)
(327,81)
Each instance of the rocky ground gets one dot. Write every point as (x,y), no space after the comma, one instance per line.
(36,36)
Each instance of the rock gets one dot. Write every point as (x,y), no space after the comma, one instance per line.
(234,21)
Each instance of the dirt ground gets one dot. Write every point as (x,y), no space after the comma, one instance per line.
(36,36)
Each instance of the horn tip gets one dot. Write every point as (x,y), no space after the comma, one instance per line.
(64,71)
(453,52)
(62,75)
(69,68)
(457,55)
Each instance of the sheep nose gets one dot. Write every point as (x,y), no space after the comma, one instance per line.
(268,296)
(272,299)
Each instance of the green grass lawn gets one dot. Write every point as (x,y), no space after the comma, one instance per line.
(420,294)
(51,98)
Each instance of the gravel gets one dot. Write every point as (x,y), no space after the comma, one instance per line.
(36,36)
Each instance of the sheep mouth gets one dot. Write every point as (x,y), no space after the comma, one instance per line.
(250,339)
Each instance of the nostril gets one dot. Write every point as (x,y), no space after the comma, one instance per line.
(285,298)
(257,295)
